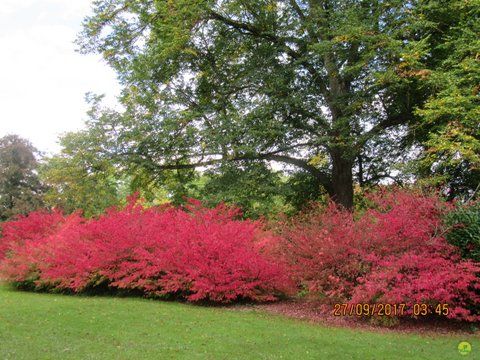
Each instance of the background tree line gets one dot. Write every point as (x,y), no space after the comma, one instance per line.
(270,104)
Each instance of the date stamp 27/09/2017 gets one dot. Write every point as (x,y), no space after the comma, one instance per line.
(381,309)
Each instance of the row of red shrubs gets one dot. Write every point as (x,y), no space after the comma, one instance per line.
(195,253)
(393,252)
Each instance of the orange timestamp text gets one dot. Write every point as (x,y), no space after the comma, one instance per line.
(380,309)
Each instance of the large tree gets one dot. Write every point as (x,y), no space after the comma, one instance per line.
(451,116)
(288,81)
(20,188)
(78,178)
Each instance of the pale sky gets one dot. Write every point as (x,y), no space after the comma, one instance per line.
(43,80)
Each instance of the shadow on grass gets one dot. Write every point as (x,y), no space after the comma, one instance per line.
(293,308)
(104,290)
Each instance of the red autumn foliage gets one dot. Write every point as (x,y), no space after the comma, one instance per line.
(321,247)
(423,277)
(195,253)
(393,252)
(36,225)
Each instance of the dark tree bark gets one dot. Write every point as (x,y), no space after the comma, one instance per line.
(342,181)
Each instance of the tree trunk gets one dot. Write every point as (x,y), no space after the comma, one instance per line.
(342,181)
(361,181)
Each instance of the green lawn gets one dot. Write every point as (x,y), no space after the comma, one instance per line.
(45,326)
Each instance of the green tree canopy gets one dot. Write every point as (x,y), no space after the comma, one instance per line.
(451,116)
(252,186)
(20,188)
(79,179)
(208,82)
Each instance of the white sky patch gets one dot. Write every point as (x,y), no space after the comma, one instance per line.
(43,80)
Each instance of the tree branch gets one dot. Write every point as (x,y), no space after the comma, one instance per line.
(389,122)
(322,177)
(254,31)
(294,5)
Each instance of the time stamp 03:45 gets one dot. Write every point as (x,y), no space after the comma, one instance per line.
(389,309)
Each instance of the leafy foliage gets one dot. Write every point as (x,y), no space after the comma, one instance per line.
(210,82)
(29,228)
(424,277)
(253,187)
(450,116)
(79,179)
(194,253)
(20,189)
(393,252)
(464,230)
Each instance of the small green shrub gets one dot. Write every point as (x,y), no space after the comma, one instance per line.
(464,233)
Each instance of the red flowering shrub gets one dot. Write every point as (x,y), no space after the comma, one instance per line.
(323,250)
(423,278)
(394,252)
(195,253)
(28,245)
(36,225)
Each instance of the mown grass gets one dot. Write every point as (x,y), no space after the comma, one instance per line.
(46,326)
